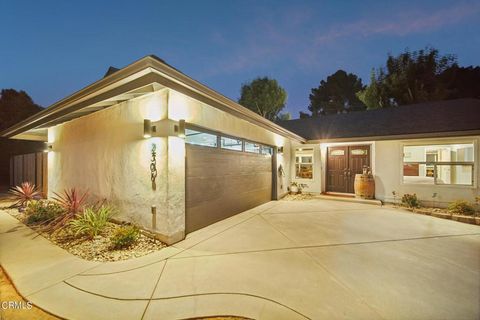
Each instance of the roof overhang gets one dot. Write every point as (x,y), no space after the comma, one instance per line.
(144,76)
(446,134)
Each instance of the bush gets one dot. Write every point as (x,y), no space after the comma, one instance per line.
(410,200)
(461,207)
(124,237)
(42,211)
(92,221)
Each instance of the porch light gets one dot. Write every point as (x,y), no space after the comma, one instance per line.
(180,129)
(148,129)
(280,149)
(48,147)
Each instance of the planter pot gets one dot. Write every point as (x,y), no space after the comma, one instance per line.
(294,189)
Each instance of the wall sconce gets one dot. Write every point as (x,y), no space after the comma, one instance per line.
(48,147)
(180,129)
(148,129)
(280,150)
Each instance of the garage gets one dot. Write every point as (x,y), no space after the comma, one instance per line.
(224,176)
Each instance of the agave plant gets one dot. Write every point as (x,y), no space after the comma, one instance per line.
(24,194)
(72,202)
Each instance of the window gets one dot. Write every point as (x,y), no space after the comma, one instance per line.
(200,138)
(252,147)
(267,150)
(231,143)
(450,164)
(304,163)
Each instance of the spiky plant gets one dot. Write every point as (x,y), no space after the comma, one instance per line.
(92,221)
(24,194)
(72,202)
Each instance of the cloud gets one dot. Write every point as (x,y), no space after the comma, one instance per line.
(400,25)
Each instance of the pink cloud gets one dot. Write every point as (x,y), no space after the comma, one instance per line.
(400,25)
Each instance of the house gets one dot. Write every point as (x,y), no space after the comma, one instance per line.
(175,156)
(430,149)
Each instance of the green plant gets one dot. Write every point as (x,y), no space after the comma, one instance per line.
(92,221)
(410,200)
(24,194)
(124,237)
(72,203)
(461,207)
(42,211)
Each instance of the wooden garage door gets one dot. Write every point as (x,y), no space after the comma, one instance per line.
(221,183)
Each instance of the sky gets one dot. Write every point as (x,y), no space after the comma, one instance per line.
(52,49)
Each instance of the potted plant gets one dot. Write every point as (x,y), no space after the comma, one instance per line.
(294,187)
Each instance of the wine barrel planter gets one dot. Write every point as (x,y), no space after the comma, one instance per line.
(364,186)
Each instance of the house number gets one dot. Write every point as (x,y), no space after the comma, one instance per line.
(153,166)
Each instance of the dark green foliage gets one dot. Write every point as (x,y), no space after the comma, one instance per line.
(124,237)
(410,77)
(263,96)
(15,106)
(336,95)
(410,200)
(42,211)
(461,207)
(92,221)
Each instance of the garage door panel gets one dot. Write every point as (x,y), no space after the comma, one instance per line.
(221,183)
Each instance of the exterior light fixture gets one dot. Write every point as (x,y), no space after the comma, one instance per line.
(280,149)
(180,129)
(48,147)
(148,129)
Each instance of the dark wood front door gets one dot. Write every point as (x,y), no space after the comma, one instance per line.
(343,162)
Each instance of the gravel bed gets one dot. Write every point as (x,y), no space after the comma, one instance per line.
(298,196)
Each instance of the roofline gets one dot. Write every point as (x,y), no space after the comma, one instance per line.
(445,134)
(166,75)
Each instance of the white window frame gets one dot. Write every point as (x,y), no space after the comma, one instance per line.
(473,163)
(305,153)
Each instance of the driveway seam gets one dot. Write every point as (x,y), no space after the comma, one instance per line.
(190,295)
(325,245)
(335,278)
(154,289)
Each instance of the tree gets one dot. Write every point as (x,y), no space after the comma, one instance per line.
(461,82)
(284,116)
(263,96)
(304,115)
(15,106)
(410,77)
(336,95)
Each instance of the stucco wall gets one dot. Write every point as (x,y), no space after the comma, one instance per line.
(105,153)
(388,173)
(200,114)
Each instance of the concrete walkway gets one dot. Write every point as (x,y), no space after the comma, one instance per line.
(315,259)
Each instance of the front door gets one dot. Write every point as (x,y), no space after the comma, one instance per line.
(343,162)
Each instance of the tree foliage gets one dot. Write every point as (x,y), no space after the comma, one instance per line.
(263,96)
(336,95)
(410,77)
(15,106)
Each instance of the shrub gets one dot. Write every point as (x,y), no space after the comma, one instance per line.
(92,221)
(461,207)
(24,194)
(42,211)
(72,203)
(124,237)
(410,200)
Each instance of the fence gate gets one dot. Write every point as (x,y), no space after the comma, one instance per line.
(31,167)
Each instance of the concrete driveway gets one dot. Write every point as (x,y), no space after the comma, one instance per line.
(314,259)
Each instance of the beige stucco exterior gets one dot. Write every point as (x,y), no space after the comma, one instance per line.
(106,154)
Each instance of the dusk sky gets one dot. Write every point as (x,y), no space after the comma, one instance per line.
(53,48)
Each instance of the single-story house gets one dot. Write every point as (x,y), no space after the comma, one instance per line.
(174,155)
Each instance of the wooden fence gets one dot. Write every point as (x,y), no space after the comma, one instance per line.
(31,167)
